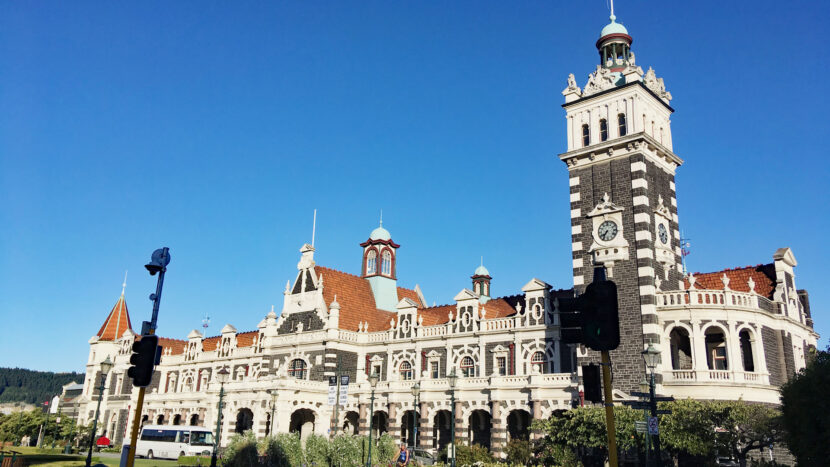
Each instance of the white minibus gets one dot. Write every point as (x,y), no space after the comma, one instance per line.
(172,441)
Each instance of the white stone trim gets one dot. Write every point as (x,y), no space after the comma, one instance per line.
(671,185)
(579,280)
(573,181)
(641,200)
(577,263)
(647,290)
(642,217)
(576,213)
(576,197)
(576,229)
(645,271)
(576,246)
(637,166)
(639,183)
(645,253)
(642,235)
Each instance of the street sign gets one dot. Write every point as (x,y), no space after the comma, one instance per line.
(652,426)
(637,404)
(641,394)
(664,398)
(332,390)
(640,426)
(344,390)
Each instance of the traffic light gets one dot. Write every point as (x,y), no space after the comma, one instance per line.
(593,317)
(145,356)
(600,316)
(591,383)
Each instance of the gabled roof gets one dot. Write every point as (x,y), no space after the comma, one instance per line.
(762,274)
(116,323)
(357,304)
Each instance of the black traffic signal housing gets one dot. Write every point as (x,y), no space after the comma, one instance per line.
(593,317)
(591,382)
(600,316)
(146,355)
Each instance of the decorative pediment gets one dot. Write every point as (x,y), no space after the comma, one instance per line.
(606,206)
(433,354)
(786,255)
(407,303)
(572,88)
(499,349)
(656,85)
(662,209)
(535,284)
(194,334)
(228,329)
(465,294)
(600,80)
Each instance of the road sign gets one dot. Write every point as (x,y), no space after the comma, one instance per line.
(332,390)
(652,426)
(344,390)
(640,426)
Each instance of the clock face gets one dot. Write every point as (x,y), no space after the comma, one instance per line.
(607,231)
(664,235)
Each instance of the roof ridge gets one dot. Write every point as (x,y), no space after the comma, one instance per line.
(738,268)
(356,276)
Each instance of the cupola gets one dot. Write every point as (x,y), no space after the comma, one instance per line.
(379,267)
(614,45)
(481,282)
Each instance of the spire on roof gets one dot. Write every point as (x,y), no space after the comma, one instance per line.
(118,319)
(124,284)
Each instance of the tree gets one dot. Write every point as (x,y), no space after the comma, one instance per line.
(688,430)
(805,408)
(742,427)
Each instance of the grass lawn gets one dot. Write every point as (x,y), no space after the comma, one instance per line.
(56,458)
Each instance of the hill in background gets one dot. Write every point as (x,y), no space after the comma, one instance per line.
(33,387)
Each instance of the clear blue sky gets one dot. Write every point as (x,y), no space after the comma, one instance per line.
(215,128)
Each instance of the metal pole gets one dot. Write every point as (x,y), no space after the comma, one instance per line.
(609,409)
(273,407)
(45,428)
(218,426)
(337,399)
(371,419)
(95,423)
(658,454)
(156,297)
(452,433)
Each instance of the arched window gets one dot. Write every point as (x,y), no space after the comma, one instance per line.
(405,370)
(716,356)
(746,350)
(297,369)
(386,263)
(537,362)
(586,135)
(622,125)
(603,130)
(371,262)
(468,367)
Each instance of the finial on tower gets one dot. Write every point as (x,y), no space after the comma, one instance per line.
(381,217)
(313,228)
(124,284)
(612,11)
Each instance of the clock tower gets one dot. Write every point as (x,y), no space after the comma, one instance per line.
(622,193)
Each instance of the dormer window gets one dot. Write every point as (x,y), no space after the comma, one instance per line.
(371,262)
(405,370)
(386,263)
(603,130)
(622,125)
(586,135)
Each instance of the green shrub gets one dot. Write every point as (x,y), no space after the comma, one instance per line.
(191,461)
(274,452)
(518,451)
(346,451)
(316,450)
(468,455)
(291,446)
(241,451)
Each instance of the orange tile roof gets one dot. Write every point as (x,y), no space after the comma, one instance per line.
(762,274)
(437,314)
(357,304)
(246,339)
(498,308)
(209,344)
(116,323)
(176,346)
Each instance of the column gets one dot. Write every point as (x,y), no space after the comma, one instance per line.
(425,439)
(498,432)
(459,423)
(537,415)
(363,420)
(393,423)
(698,349)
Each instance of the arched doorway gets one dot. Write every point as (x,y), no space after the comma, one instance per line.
(244,421)
(350,423)
(194,420)
(518,425)
(380,423)
(442,429)
(407,433)
(681,349)
(302,422)
(747,356)
(144,420)
(479,428)
(160,420)
(177,419)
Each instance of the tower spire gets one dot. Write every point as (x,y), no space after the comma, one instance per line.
(124,284)
(381,217)
(313,228)
(612,11)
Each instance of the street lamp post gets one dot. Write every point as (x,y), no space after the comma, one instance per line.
(652,356)
(106,366)
(273,393)
(373,381)
(416,390)
(451,379)
(222,377)
(644,386)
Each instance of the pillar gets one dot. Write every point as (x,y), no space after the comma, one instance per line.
(363,420)
(393,424)
(425,427)
(459,424)
(498,430)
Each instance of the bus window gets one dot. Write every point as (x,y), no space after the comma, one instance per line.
(184,437)
(201,438)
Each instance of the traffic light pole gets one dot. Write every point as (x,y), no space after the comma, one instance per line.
(609,409)
(157,264)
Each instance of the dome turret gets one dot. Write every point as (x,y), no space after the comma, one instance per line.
(614,45)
